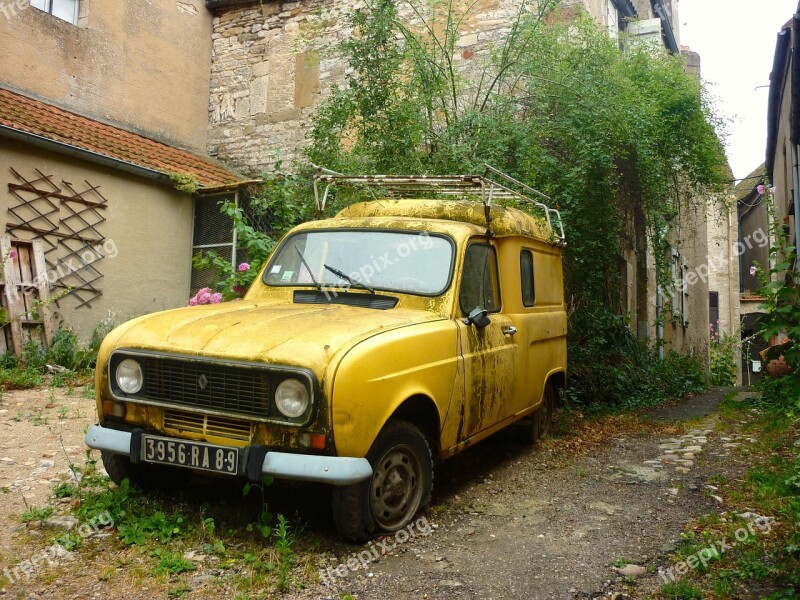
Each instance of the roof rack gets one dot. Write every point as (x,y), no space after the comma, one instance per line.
(456,187)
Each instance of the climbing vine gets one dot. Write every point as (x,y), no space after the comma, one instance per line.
(611,136)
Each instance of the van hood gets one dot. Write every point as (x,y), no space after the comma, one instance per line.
(275,333)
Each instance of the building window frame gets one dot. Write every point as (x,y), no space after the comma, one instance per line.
(65,10)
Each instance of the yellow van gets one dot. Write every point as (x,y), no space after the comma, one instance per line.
(395,334)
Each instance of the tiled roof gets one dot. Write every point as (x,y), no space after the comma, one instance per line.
(31,116)
(749,183)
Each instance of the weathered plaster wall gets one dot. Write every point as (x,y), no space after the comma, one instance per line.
(148,227)
(141,63)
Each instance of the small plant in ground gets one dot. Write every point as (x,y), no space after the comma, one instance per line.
(680,590)
(171,563)
(263,523)
(37,514)
(284,539)
(723,353)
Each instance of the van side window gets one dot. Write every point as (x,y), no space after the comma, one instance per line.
(526,275)
(480,283)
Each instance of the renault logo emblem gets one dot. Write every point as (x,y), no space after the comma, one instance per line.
(202,381)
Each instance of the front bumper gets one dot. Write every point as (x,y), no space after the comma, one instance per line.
(335,470)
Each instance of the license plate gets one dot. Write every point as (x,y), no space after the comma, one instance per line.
(193,455)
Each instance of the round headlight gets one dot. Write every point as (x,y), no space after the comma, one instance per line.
(291,398)
(129,376)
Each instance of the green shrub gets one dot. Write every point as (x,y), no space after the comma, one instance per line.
(8,360)
(64,349)
(609,368)
(33,356)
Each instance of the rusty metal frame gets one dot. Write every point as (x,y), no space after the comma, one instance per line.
(492,186)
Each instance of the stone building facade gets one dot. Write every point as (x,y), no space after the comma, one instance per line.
(273,62)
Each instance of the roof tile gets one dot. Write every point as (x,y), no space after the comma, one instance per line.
(38,118)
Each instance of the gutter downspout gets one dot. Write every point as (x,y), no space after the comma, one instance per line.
(660,322)
(795,131)
(796,194)
(666,24)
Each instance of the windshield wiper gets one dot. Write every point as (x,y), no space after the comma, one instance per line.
(310,272)
(349,279)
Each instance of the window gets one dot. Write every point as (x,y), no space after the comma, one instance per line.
(680,293)
(713,310)
(613,21)
(480,283)
(212,231)
(66,10)
(526,277)
(409,262)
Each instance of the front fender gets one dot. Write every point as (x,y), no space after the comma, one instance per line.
(377,375)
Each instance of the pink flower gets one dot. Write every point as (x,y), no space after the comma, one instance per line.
(193,301)
(760,188)
(12,254)
(239,289)
(244,267)
(204,298)
(772,190)
(753,270)
(215,298)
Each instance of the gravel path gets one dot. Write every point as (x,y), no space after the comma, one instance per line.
(507,520)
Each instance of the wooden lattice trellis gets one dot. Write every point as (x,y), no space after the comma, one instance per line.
(68,226)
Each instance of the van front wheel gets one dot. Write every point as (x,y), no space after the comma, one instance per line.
(400,485)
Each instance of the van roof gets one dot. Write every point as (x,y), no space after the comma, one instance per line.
(505,221)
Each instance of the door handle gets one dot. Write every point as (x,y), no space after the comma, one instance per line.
(509,330)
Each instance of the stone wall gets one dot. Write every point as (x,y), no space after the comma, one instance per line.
(273,63)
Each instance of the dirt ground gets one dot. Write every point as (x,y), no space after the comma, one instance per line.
(507,520)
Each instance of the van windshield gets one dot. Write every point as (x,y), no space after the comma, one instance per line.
(398,261)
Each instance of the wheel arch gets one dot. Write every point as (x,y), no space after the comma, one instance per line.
(559,380)
(420,410)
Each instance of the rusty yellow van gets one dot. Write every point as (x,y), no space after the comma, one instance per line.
(374,343)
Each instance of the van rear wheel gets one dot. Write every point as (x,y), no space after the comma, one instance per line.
(540,422)
(400,485)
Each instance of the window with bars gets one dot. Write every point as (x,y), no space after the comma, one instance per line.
(212,231)
(67,10)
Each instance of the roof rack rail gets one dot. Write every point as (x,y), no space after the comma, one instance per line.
(453,187)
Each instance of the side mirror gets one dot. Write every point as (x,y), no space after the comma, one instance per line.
(478,317)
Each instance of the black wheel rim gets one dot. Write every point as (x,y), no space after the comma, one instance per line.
(396,487)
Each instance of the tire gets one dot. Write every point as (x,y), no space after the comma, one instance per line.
(400,485)
(539,424)
(545,414)
(144,476)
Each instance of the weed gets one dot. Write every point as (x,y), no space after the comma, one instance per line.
(171,562)
(65,490)
(680,590)
(36,514)
(284,540)
(263,523)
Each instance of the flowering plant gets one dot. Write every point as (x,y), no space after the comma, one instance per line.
(205,296)
(235,287)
